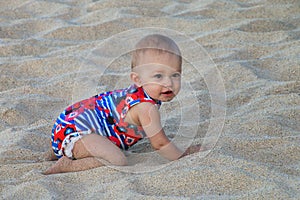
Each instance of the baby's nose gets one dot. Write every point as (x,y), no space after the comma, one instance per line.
(168,82)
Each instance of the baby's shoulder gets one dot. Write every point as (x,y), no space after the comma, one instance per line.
(144,109)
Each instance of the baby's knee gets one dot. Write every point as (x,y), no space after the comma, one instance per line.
(119,160)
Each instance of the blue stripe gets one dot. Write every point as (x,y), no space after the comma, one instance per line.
(108,104)
(89,116)
(81,123)
(61,120)
(103,121)
(132,103)
(113,109)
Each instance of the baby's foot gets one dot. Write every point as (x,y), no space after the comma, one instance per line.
(60,166)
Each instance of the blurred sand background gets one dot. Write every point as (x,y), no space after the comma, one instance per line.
(255,45)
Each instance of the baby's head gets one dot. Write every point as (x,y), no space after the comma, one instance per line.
(156,66)
(156,44)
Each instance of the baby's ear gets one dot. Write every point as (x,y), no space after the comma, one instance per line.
(135,79)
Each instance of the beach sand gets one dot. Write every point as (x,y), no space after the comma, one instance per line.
(47,63)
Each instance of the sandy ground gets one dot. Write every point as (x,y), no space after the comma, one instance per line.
(47,63)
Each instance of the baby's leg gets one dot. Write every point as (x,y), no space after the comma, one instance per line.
(65,164)
(94,145)
(91,151)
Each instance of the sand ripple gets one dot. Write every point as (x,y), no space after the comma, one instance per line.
(255,45)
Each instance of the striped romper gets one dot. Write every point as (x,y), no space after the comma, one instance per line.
(103,114)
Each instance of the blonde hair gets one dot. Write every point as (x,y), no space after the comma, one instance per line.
(156,43)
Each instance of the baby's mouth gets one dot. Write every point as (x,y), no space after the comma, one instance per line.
(167,92)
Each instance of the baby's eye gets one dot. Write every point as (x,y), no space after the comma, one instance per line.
(158,76)
(176,75)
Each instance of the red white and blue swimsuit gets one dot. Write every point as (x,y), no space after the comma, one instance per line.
(103,114)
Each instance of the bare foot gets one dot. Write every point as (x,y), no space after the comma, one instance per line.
(60,166)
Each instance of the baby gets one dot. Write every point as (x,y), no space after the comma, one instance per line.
(92,132)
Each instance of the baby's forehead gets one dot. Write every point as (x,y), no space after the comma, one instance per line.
(155,53)
(165,59)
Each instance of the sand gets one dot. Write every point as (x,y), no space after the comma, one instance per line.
(47,62)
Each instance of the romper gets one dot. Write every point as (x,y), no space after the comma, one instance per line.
(103,114)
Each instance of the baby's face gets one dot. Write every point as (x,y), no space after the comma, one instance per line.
(159,75)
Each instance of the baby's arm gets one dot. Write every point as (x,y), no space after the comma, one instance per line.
(149,118)
(165,147)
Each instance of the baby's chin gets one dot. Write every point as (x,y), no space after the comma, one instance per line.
(166,99)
